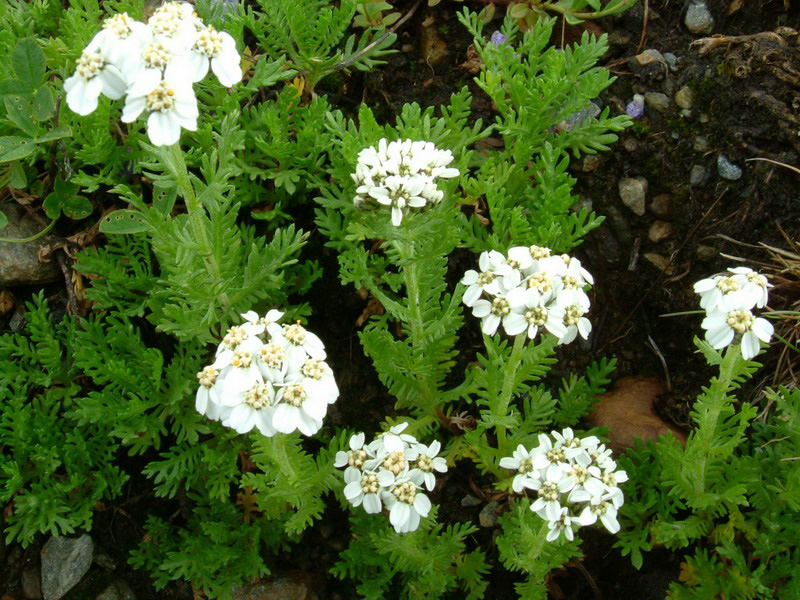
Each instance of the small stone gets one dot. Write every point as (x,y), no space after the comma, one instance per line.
(671,60)
(660,262)
(488,515)
(648,57)
(659,230)
(698,18)
(705,253)
(19,261)
(31,583)
(105,561)
(698,175)
(630,144)
(657,101)
(700,143)
(279,588)
(728,170)
(589,163)
(632,191)
(661,206)
(684,97)
(65,561)
(118,590)
(469,500)
(704,118)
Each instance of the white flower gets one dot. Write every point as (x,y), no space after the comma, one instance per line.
(549,491)
(755,288)
(255,410)
(713,291)
(218,49)
(562,524)
(121,40)
(405,501)
(357,458)
(363,488)
(428,461)
(500,309)
(170,106)
(93,76)
(722,326)
(527,465)
(257,325)
(604,509)
(532,316)
(298,408)
(300,343)
(575,322)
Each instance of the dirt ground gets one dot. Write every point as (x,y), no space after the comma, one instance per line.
(745,106)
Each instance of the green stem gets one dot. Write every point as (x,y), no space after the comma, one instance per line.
(703,439)
(584,16)
(416,324)
(35,236)
(506,393)
(281,457)
(196,212)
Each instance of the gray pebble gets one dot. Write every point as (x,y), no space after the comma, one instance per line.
(671,60)
(65,561)
(633,191)
(728,170)
(657,101)
(698,175)
(118,590)
(470,500)
(684,97)
(698,18)
(700,143)
(19,261)
(488,515)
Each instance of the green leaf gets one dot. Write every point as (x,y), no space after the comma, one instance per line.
(124,221)
(76,207)
(18,178)
(28,62)
(43,104)
(13,87)
(20,114)
(62,131)
(519,11)
(3,219)
(13,147)
(164,198)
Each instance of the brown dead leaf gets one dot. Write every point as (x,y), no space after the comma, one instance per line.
(247,501)
(474,63)
(6,302)
(432,47)
(247,464)
(628,412)
(734,6)
(373,307)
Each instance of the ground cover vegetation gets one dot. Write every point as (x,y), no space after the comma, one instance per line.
(198,139)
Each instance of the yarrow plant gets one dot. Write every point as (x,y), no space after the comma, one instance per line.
(155,65)
(268,376)
(528,290)
(575,479)
(401,175)
(729,299)
(392,471)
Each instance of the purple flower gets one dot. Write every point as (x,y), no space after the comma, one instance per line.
(497,39)
(635,108)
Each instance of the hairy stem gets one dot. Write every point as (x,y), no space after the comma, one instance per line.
(506,393)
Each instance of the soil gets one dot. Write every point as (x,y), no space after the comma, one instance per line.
(745,106)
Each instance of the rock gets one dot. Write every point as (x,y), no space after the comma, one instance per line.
(488,515)
(698,175)
(65,561)
(31,583)
(589,163)
(698,17)
(632,191)
(19,262)
(105,561)
(660,262)
(118,590)
(661,206)
(657,101)
(700,143)
(628,413)
(671,60)
(630,144)
(684,97)
(648,57)
(295,587)
(728,170)
(469,500)
(659,230)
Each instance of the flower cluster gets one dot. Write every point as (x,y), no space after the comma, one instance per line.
(575,480)
(155,65)
(401,175)
(391,471)
(268,376)
(528,290)
(729,300)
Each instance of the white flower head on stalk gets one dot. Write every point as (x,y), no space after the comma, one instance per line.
(393,471)
(575,480)
(401,175)
(93,76)
(155,65)
(258,383)
(530,291)
(729,300)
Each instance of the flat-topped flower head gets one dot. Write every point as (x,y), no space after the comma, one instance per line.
(171,108)
(401,175)
(216,49)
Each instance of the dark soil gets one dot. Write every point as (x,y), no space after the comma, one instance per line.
(745,106)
